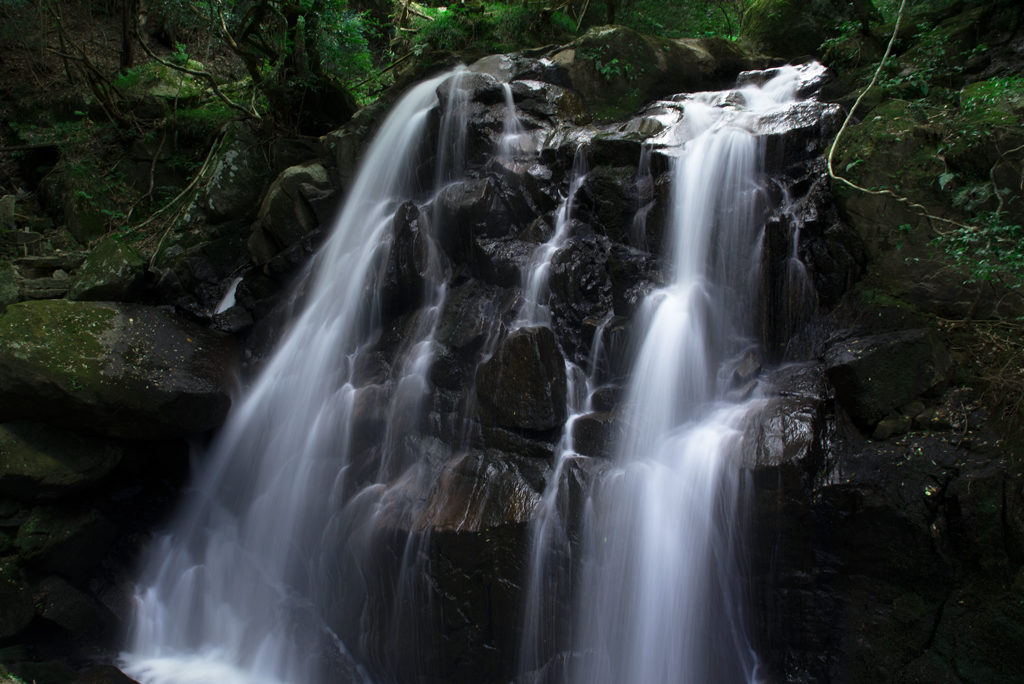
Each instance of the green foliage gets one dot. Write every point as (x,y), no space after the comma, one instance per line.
(453,28)
(994,96)
(201,123)
(344,43)
(489,27)
(990,248)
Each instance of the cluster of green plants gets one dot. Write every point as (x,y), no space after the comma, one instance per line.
(488,27)
(990,248)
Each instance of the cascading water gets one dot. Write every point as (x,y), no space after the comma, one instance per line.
(236,592)
(659,591)
(534,309)
(303,554)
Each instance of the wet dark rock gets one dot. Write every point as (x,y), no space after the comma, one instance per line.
(633,275)
(605,199)
(65,541)
(40,462)
(580,289)
(469,209)
(877,373)
(798,133)
(517,67)
(548,101)
(72,610)
(127,370)
(481,490)
(511,441)
(523,385)
(470,313)
(594,434)
(195,277)
(501,261)
(402,281)
(233,321)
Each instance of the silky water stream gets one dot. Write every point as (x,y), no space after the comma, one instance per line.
(274,539)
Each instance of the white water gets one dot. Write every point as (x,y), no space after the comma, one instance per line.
(534,309)
(237,590)
(279,536)
(659,596)
(514,140)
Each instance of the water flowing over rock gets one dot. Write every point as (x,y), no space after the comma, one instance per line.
(507,433)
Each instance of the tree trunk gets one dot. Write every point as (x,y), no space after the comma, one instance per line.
(129,21)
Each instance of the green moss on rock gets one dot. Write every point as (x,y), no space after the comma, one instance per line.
(123,370)
(785,28)
(110,272)
(616,69)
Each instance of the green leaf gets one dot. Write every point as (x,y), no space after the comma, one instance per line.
(944,179)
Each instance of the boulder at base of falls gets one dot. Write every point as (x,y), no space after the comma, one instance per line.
(875,374)
(523,385)
(120,370)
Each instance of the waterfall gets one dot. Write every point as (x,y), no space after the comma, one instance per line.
(534,309)
(236,591)
(302,552)
(657,582)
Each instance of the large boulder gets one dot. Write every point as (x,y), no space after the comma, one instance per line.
(615,69)
(791,28)
(289,211)
(876,374)
(63,540)
(40,461)
(111,272)
(523,385)
(237,180)
(122,370)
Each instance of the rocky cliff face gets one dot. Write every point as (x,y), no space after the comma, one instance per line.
(887,523)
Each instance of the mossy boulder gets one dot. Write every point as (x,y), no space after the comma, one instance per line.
(40,461)
(121,370)
(237,180)
(287,212)
(789,28)
(615,69)
(112,272)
